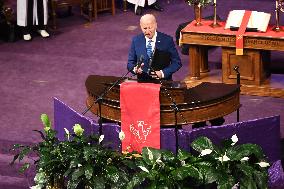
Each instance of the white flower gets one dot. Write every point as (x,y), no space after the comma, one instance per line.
(121,135)
(245,159)
(143,168)
(101,138)
(234,139)
(79,165)
(40,178)
(263,164)
(159,160)
(36,187)
(223,158)
(150,154)
(205,152)
(182,163)
(236,186)
(67,133)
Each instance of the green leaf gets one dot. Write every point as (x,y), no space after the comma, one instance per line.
(24,167)
(209,173)
(261,179)
(202,143)
(112,173)
(72,184)
(168,156)
(88,171)
(226,184)
(245,150)
(77,173)
(45,120)
(25,151)
(130,164)
(183,155)
(98,183)
(246,183)
(137,180)
(89,153)
(246,169)
(184,172)
(150,155)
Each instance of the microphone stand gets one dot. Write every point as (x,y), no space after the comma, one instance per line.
(236,68)
(100,98)
(173,106)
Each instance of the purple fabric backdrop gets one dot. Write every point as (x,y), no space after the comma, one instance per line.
(265,132)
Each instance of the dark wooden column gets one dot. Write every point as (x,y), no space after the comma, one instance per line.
(198,60)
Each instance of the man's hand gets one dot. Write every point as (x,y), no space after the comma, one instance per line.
(138,70)
(156,74)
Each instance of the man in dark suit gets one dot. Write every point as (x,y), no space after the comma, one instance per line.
(143,47)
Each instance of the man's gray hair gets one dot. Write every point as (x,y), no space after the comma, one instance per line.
(148,17)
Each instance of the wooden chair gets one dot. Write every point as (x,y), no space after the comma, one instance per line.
(85,5)
(103,5)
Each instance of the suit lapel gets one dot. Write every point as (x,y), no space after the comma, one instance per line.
(158,41)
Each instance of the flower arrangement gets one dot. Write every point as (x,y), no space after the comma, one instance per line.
(201,3)
(83,160)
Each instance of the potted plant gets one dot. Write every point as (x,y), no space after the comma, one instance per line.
(82,161)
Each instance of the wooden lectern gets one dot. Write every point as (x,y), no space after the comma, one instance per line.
(204,102)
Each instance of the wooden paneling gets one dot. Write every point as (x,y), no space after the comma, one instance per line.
(253,66)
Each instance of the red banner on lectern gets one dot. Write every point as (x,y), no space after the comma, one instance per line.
(140,115)
(240,33)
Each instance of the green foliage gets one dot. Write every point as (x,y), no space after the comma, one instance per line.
(202,3)
(83,161)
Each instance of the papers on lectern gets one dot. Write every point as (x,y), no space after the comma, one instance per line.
(258,21)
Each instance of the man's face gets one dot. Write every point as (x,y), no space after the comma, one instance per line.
(148,27)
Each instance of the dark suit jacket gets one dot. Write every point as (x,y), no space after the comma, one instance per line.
(163,43)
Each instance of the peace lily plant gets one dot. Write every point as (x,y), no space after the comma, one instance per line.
(83,161)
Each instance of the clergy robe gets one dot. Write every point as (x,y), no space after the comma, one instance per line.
(38,14)
(141,3)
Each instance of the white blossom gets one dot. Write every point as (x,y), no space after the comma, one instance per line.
(67,133)
(121,135)
(234,139)
(101,138)
(182,163)
(223,158)
(205,152)
(245,159)
(150,154)
(236,186)
(143,168)
(160,162)
(79,165)
(263,164)
(36,187)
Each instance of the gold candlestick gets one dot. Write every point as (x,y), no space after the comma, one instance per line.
(215,24)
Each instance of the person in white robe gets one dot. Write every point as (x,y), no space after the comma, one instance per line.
(32,14)
(139,4)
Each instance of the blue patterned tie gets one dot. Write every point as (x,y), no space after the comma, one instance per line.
(149,49)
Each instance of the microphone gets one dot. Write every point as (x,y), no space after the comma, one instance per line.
(140,61)
(151,61)
(236,68)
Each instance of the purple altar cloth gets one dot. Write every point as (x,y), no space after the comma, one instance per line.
(264,132)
